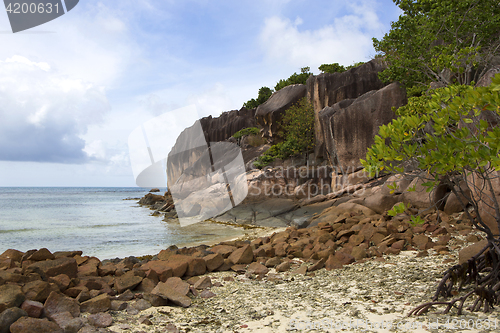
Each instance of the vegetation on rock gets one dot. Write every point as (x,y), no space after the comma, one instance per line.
(337,68)
(450,139)
(297,131)
(447,41)
(294,79)
(264,94)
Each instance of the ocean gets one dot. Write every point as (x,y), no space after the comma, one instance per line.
(97,221)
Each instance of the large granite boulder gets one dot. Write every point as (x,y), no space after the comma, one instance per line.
(330,88)
(270,113)
(223,127)
(352,129)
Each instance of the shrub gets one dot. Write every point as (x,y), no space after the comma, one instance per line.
(246,131)
(297,131)
(448,141)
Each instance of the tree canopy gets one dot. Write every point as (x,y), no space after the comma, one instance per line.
(448,41)
(294,79)
(264,94)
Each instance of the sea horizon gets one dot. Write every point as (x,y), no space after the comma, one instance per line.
(96,220)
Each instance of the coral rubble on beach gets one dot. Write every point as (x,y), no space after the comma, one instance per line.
(356,269)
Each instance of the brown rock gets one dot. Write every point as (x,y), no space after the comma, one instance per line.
(283,267)
(358,253)
(127,281)
(10,296)
(398,245)
(83,296)
(27,324)
(66,321)
(69,254)
(119,305)
(344,258)
(162,269)
(332,263)
(273,262)
(196,266)
(392,250)
(33,308)
(179,264)
(50,268)
(146,286)
(57,303)
(15,255)
(243,255)
(203,283)
(213,261)
(302,270)
(224,250)
(240,269)
(318,265)
(75,291)
(422,242)
(256,268)
(101,303)
(100,320)
(207,294)
(155,300)
(37,290)
(280,249)
(466,253)
(164,291)
(441,248)
(107,269)
(225,266)
(177,285)
(42,254)
(62,281)
(88,269)
(355,240)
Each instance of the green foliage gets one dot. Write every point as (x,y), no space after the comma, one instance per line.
(416,220)
(246,131)
(452,146)
(298,127)
(402,208)
(446,139)
(332,68)
(444,41)
(294,79)
(337,68)
(397,209)
(264,94)
(298,133)
(356,64)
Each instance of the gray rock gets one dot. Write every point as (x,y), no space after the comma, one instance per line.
(9,317)
(270,113)
(328,89)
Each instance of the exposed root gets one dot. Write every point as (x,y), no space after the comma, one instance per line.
(481,273)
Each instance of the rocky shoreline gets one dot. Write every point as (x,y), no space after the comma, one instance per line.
(356,264)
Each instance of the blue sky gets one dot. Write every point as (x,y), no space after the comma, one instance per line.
(73,89)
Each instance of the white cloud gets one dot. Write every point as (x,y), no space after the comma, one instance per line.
(212,101)
(44,114)
(346,40)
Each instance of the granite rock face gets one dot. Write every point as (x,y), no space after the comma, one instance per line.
(270,113)
(352,129)
(223,127)
(330,88)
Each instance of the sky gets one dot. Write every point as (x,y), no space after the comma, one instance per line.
(72,90)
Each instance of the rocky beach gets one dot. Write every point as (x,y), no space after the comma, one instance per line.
(359,267)
(324,246)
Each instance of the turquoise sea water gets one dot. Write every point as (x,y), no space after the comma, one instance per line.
(97,221)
